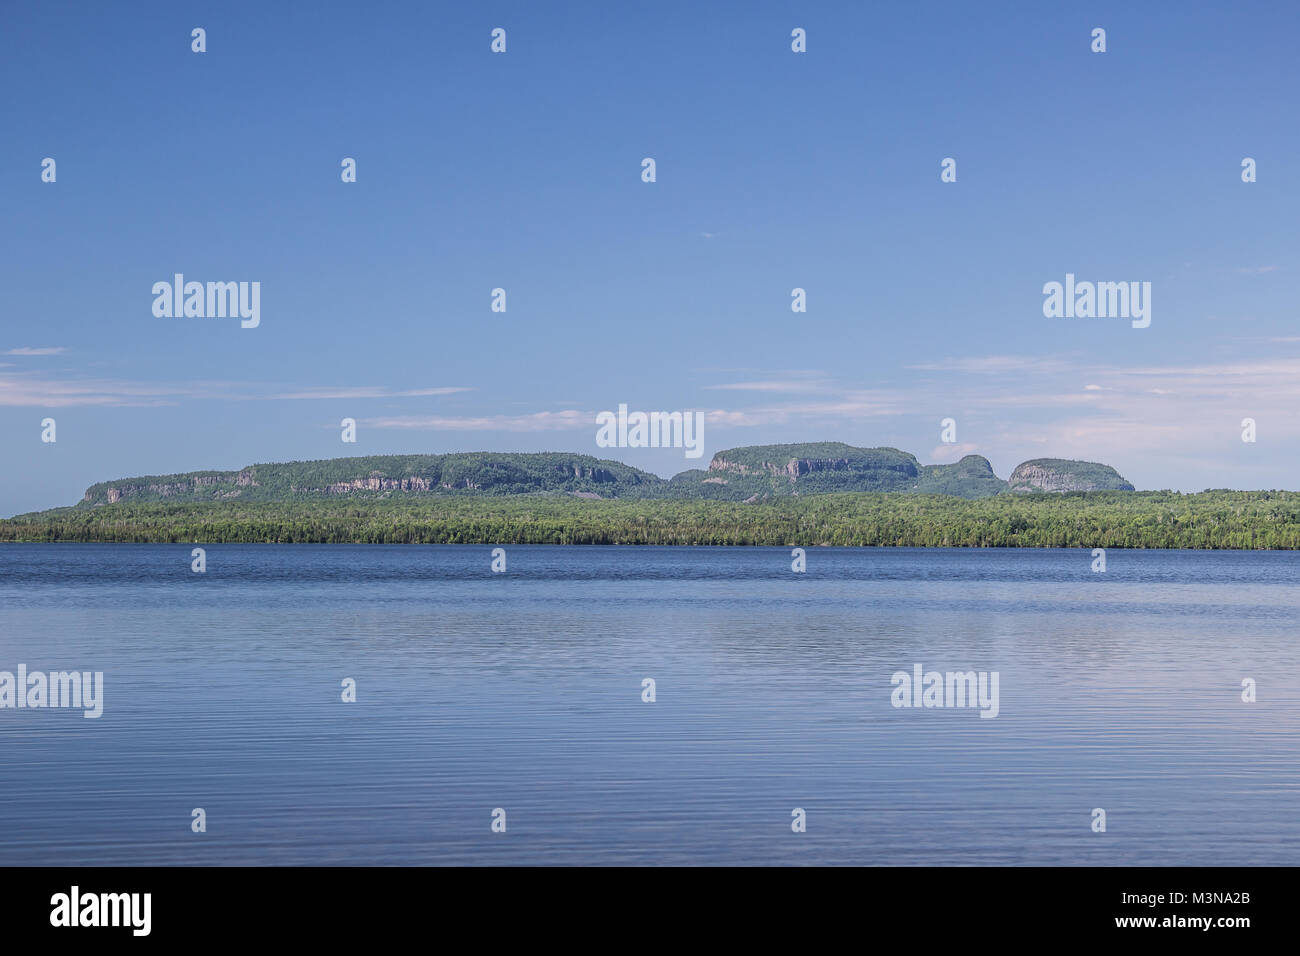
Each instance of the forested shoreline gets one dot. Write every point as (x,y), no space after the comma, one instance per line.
(1095,519)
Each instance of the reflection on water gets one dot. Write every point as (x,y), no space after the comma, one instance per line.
(523,691)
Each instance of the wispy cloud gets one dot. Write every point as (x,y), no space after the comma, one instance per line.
(848,406)
(51,391)
(953,452)
(776,381)
(771,386)
(1188,412)
(994,364)
(29,390)
(27,350)
(536,421)
(366,391)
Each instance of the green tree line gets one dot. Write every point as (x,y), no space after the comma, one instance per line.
(1106,519)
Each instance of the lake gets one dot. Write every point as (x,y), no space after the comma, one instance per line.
(773,690)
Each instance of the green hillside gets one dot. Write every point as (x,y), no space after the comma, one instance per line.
(386,475)
(1058,474)
(972,477)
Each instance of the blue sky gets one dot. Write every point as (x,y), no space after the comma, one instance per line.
(522,170)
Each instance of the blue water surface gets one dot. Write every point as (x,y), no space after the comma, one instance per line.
(523,691)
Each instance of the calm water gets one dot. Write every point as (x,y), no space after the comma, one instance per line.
(522,690)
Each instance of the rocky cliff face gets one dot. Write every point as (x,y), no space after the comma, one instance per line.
(749,473)
(379,482)
(221,484)
(1059,475)
(375,484)
(603,475)
(791,469)
(383,475)
(800,461)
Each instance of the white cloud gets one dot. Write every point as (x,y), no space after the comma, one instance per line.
(537,421)
(366,391)
(993,364)
(952,452)
(45,390)
(771,386)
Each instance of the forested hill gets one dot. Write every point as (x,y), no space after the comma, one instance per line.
(388,476)
(747,474)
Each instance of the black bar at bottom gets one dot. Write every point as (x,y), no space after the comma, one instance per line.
(962,906)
